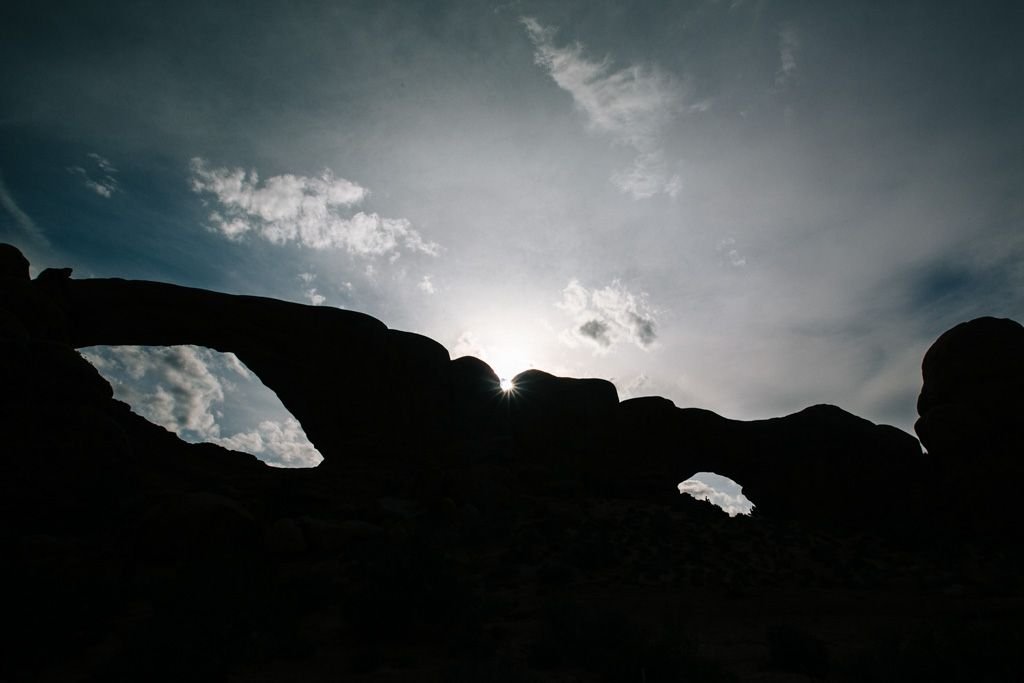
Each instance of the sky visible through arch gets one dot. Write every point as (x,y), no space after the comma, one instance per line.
(741,205)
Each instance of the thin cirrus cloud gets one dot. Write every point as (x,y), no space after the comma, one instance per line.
(789,48)
(605,317)
(310,211)
(24,223)
(632,105)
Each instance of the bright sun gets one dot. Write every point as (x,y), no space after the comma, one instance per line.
(506,384)
(507,362)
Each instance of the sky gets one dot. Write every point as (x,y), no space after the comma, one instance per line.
(741,205)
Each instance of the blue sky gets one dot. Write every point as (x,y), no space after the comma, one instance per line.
(745,206)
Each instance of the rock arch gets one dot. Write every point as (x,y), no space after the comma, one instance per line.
(360,389)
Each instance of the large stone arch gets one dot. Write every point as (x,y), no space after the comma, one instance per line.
(347,378)
(359,388)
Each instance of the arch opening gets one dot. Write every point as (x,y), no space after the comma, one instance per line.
(719,490)
(205,396)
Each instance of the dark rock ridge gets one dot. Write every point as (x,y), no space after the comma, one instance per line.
(361,390)
(458,532)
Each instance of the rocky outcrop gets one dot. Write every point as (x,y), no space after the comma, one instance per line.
(363,391)
(972,399)
(821,465)
(970,408)
(561,415)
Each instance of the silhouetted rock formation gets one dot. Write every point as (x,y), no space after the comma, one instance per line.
(13,264)
(972,400)
(562,417)
(362,390)
(821,465)
(971,407)
(458,532)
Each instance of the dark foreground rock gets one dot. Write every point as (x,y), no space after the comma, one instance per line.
(972,399)
(456,532)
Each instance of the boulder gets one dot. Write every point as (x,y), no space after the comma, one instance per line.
(972,396)
(970,410)
(13,264)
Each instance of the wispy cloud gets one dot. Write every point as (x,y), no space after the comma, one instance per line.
(730,253)
(632,105)
(426,285)
(312,293)
(646,177)
(606,316)
(103,163)
(105,185)
(307,210)
(467,345)
(22,220)
(789,49)
(633,387)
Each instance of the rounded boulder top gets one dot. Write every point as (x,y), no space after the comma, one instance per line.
(13,264)
(979,362)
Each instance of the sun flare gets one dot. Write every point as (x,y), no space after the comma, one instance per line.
(506,384)
(507,362)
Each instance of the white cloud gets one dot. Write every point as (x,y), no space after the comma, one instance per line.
(634,387)
(107,184)
(314,297)
(248,442)
(173,385)
(789,49)
(729,252)
(278,443)
(468,345)
(232,362)
(632,105)
(302,209)
(312,293)
(734,504)
(103,163)
(182,388)
(425,285)
(647,176)
(604,317)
